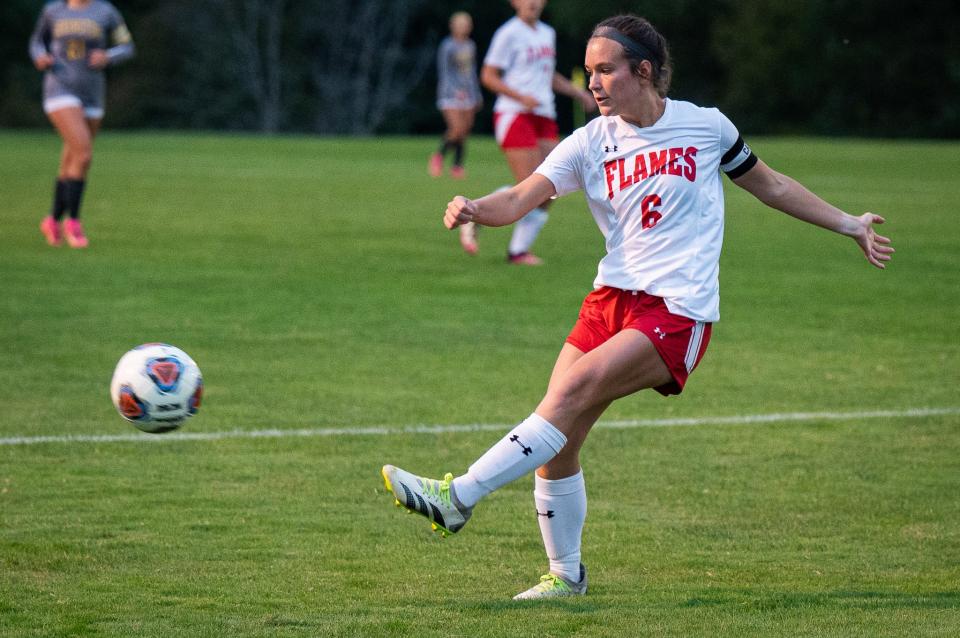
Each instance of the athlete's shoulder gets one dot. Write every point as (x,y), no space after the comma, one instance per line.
(54,5)
(689,109)
(599,128)
(107,7)
(544,27)
(508,27)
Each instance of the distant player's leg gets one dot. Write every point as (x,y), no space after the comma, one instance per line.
(522,162)
(77,132)
(463,122)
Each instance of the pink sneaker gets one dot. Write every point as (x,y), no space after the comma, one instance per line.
(74,232)
(468,238)
(51,230)
(457,172)
(435,168)
(525,259)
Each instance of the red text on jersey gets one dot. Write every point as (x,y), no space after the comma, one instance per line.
(539,53)
(627,171)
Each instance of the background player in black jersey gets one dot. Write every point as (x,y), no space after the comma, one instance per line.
(73,42)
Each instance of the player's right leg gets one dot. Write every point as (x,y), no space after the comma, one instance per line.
(434,499)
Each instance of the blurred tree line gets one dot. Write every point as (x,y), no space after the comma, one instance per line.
(855,67)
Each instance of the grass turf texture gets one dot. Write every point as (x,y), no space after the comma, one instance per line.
(314,284)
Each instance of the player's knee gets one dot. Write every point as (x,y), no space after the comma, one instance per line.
(83,158)
(574,396)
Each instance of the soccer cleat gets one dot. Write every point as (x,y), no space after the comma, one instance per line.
(525,259)
(554,586)
(435,167)
(74,232)
(51,230)
(457,172)
(468,238)
(428,497)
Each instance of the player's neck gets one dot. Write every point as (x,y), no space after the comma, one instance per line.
(78,4)
(648,111)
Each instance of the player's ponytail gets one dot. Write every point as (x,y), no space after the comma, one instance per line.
(640,41)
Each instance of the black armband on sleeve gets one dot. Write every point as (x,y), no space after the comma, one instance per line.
(738,160)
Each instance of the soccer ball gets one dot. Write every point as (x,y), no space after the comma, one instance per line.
(156,387)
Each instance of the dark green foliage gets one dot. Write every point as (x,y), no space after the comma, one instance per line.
(860,67)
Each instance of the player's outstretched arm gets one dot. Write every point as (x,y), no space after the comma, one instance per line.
(502,207)
(789,196)
(562,85)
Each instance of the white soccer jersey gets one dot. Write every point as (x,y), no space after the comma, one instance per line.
(527,57)
(657,196)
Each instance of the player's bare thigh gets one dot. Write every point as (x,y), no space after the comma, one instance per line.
(626,363)
(545,146)
(77,132)
(567,462)
(459,122)
(522,162)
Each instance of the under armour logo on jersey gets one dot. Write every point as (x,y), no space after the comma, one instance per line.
(660,333)
(607,149)
(548,514)
(527,451)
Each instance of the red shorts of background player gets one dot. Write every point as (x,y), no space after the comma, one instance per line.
(680,341)
(523,130)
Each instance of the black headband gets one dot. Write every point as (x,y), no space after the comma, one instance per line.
(634,48)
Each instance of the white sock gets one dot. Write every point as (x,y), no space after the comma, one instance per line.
(561,511)
(521,451)
(525,231)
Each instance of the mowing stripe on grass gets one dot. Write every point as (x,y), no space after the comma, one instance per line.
(744,419)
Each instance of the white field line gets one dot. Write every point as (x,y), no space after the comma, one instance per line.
(745,419)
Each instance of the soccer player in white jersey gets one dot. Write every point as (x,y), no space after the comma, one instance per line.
(650,170)
(520,67)
(73,42)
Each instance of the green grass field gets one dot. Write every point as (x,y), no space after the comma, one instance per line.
(313,282)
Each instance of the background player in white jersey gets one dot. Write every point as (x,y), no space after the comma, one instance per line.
(650,170)
(520,67)
(73,42)
(458,92)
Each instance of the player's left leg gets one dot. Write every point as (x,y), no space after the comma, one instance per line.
(522,162)
(527,229)
(77,131)
(560,498)
(463,122)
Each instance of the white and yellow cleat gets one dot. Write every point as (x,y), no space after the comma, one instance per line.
(554,586)
(428,497)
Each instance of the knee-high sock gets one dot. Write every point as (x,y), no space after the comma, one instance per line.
(74,196)
(521,451)
(561,512)
(459,152)
(525,231)
(59,205)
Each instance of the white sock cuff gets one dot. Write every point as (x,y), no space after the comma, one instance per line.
(553,437)
(559,487)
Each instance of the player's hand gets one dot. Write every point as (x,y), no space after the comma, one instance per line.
(876,248)
(529,102)
(98,59)
(43,62)
(460,210)
(589,103)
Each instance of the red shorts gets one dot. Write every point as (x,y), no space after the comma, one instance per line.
(680,341)
(523,130)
